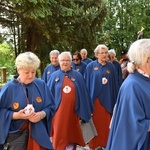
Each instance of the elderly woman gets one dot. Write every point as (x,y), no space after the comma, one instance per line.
(102,82)
(131,121)
(26,108)
(77,64)
(85,59)
(113,59)
(53,66)
(73,103)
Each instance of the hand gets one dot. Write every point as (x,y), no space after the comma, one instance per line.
(36,117)
(21,115)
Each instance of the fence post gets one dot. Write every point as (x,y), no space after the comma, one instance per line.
(3,74)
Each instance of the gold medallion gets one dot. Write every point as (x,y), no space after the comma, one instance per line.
(15,105)
(108,71)
(95,68)
(38,99)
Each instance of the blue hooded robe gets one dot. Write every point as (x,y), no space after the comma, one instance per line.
(79,67)
(107,93)
(84,105)
(131,119)
(13,98)
(48,71)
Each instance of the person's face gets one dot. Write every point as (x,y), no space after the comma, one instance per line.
(112,57)
(83,54)
(54,59)
(26,76)
(65,63)
(102,55)
(124,56)
(148,66)
(76,60)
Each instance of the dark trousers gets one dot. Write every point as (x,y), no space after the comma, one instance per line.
(1,147)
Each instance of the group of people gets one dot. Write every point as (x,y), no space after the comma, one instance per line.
(45,114)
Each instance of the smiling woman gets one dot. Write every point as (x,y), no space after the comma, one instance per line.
(68,87)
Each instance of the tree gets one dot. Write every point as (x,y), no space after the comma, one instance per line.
(43,25)
(7,57)
(125,19)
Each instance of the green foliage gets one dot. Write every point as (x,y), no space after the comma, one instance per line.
(7,58)
(69,25)
(125,19)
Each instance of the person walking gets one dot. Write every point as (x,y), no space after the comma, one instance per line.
(73,104)
(130,128)
(53,66)
(102,82)
(77,64)
(84,54)
(26,108)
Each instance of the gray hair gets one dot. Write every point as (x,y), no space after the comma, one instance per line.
(112,51)
(54,52)
(84,50)
(99,47)
(27,60)
(138,54)
(66,53)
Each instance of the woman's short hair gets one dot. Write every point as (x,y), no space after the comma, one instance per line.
(138,54)
(66,53)
(27,60)
(112,51)
(77,54)
(83,50)
(54,52)
(99,47)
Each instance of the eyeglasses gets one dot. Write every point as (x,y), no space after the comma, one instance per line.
(75,59)
(67,61)
(103,53)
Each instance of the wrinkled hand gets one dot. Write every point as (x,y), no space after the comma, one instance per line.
(36,117)
(21,115)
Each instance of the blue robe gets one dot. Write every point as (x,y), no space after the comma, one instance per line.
(119,71)
(131,119)
(79,67)
(84,105)
(13,98)
(48,71)
(106,93)
(87,60)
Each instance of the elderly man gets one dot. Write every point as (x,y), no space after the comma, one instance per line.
(85,59)
(53,66)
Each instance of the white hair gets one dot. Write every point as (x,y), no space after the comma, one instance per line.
(138,54)
(54,52)
(83,50)
(112,51)
(99,47)
(66,53)
(27,60)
